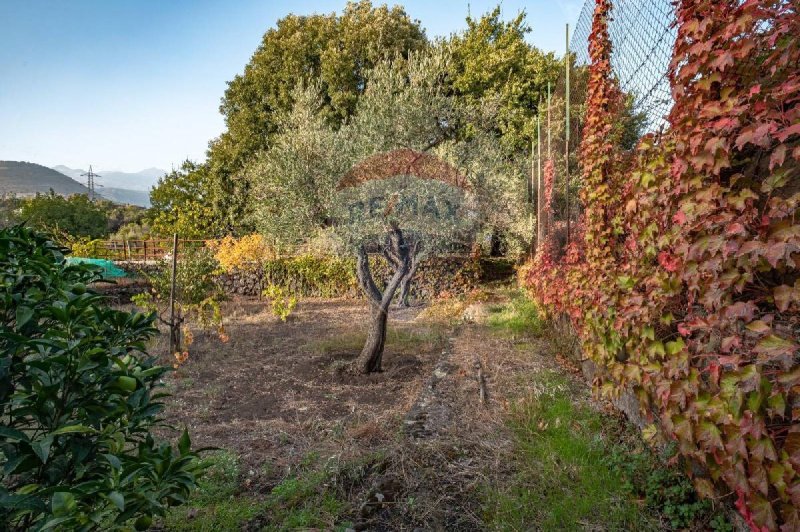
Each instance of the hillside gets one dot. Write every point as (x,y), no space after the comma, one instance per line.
(26,179)
(126,196)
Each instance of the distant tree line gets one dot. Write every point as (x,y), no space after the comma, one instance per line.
(72,217)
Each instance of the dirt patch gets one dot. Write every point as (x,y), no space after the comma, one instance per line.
(276,393)
(276,390)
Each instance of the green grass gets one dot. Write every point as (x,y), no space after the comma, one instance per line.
(215,505)
(310,498)
(564,480)
(577,469)
(519,317)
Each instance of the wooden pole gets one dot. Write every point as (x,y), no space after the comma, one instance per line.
(172,336)
(566,141)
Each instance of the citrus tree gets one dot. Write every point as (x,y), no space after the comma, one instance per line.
(79,399)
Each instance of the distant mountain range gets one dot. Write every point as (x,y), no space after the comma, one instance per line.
(26,179)
(143,180)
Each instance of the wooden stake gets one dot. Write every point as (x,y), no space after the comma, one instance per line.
(541,222)
(172,335)
(481,381)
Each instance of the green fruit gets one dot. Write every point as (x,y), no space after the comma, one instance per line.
(126,383)
(143,523)
(79,289)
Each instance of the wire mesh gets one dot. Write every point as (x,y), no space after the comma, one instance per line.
(642,36)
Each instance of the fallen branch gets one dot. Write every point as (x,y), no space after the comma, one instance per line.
(481,381)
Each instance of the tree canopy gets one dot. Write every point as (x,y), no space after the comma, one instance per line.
(493,62)
(345,84)
(76,215)
(335,51)
(181,202)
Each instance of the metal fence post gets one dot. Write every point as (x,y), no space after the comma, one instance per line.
(566,139)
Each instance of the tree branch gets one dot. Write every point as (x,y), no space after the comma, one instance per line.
(365,277)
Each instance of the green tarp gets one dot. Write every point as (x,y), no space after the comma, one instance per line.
(110,270)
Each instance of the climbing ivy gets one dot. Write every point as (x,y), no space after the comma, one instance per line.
(683,282)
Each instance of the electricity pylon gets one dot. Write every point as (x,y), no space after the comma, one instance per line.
(90,184)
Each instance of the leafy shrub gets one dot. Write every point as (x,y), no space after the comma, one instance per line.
(197,296)
(282,304)
(665,490)
(245,253)
(85,247)
(78,401)
(75,216)
(311,275)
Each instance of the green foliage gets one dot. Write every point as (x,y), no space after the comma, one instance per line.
(311,275)
(78,401)
(9,207)
(197,294)
(665,490)
(76,215)
(338,50)
(519,317)
(182,203)
(493,63)
(216,504)
(563,475)
(281,303)
(194,277)
(294,180)
(370,84)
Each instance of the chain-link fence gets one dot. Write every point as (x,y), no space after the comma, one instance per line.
(642,36)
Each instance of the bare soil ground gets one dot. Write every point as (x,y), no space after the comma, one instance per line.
(277,389)
(415,447)
(277,392)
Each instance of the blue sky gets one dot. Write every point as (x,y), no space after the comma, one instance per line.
(126,85)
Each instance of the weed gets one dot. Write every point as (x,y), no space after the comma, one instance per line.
(518,317)
(665,490)
(281,303)
(215,505)
(564,481)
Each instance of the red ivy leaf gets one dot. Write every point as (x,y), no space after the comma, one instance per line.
(668,261)
(788,132)
(778,156)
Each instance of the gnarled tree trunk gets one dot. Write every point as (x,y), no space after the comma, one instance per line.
(369,360)
(414,256)
(405,283)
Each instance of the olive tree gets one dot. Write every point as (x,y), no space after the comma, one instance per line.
(294,180)
(353,182)
(399,216)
